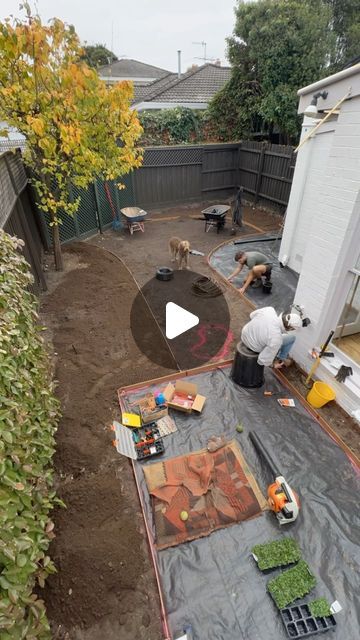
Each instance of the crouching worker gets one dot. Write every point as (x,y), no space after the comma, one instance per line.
(269,335)
(258,264)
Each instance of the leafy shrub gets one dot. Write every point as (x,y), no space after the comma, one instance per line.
(319,608)
(28,417)
(291,584)
(277,553)
(175,126)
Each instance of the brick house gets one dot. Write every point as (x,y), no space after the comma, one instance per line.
(321,237)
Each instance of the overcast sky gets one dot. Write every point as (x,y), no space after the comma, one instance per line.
(148,30)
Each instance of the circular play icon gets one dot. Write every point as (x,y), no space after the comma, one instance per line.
(183,322)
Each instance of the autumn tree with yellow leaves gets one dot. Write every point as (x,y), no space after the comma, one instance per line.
(76,128)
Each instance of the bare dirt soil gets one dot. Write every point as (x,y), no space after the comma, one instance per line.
(345,427)
(105,586)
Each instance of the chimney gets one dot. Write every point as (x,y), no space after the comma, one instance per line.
(179,63)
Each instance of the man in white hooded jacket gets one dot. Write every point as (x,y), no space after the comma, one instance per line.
(268,334)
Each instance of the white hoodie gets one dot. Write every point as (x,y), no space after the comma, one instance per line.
(264,334)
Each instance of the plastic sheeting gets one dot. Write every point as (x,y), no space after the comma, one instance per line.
(284,279)
(213,583)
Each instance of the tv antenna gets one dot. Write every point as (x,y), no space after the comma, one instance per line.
(203,44)
(204,57)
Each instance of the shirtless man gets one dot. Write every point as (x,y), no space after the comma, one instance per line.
(258,264)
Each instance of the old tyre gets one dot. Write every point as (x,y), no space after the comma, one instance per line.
(164,273)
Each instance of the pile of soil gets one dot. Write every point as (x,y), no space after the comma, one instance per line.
(105,583)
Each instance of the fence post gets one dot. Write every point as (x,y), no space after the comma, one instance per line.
(132,175)
(238,165)
(97,206)
(75,218)
(260,170)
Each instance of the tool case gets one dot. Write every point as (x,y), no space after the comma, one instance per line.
(148,442)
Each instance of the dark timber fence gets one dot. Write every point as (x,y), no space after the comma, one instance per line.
(170,175)
(17,215)
(191,173)
(266,172)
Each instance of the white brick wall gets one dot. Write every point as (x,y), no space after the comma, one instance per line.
(327,233)
(303,203)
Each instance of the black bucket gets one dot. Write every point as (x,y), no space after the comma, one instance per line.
(245,371)
(267,286)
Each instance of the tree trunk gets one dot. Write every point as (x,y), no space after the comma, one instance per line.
(57,248)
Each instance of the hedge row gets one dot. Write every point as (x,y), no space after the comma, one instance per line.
(177,126)
(28,419)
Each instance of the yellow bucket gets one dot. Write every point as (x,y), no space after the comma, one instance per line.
(320,394)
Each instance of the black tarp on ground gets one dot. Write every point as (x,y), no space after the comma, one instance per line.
(284,280)
(213,583)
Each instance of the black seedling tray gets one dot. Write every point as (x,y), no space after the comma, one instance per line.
(299,622)
(151,450)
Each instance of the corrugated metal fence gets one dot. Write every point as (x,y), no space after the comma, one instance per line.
(17,216)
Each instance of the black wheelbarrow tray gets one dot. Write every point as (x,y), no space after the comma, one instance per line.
(215,216)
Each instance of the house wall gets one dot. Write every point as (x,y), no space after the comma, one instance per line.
(305,193)
(328,234)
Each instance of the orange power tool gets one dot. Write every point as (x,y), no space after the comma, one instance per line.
(282,498)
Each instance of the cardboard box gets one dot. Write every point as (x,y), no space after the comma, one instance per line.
(150,411)
(184,397)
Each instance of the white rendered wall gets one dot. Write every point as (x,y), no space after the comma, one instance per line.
(333,242)
(305,192)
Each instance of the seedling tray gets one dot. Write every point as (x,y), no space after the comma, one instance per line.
(153,444)
(299,623)
(277,553)
(291,585)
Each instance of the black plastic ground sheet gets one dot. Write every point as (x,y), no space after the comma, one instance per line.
(213,583)
(284,279)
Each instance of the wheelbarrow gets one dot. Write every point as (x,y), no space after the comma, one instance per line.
(215,216)
(134,218)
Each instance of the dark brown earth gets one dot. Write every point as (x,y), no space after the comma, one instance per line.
(105,587)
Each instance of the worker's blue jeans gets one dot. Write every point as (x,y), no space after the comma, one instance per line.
(287,343)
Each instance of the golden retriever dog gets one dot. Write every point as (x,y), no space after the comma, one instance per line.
(179,251)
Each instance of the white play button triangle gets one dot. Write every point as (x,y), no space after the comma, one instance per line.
(178,320)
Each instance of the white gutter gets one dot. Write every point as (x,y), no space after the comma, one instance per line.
(346,73)
(145,106)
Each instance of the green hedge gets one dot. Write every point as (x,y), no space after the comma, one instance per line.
(176,126)
(28,419)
